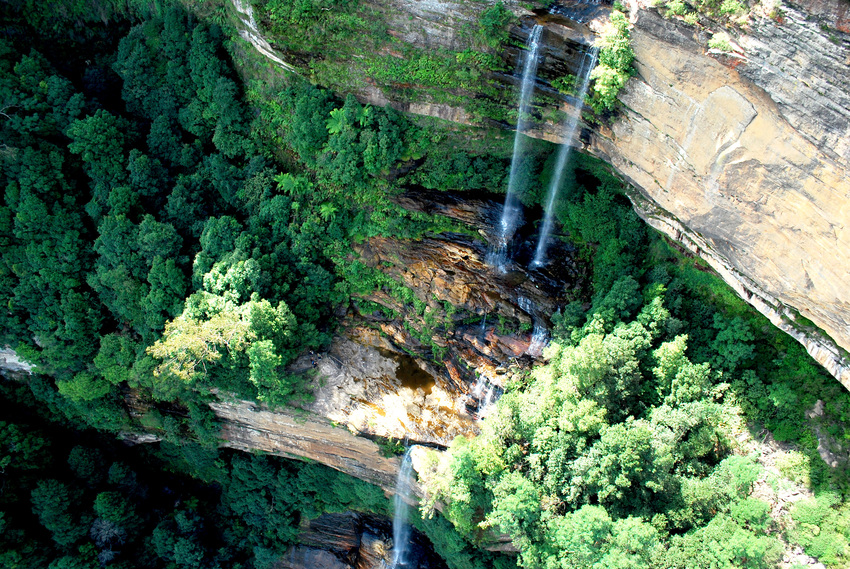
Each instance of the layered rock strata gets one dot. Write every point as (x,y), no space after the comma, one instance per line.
(303,435)
(353,541)
(758,189)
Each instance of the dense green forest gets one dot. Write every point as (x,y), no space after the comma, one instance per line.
(178,223)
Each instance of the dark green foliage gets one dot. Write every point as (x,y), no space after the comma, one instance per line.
(55,503)
(152,250)
(493,24)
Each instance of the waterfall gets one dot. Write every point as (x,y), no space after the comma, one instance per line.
(252,34)
(478,388)
(483,330)
(539,340)
(401,529)
(539,334)
(485,404)
(582,82)
(511,210)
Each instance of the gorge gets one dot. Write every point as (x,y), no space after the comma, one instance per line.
(395,252)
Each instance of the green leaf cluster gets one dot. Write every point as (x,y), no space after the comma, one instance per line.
(614,66)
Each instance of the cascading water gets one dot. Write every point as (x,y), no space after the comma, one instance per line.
(401,528)
(251,33)
(483,330)
(539,340)
(582,83)
(478,388)
(484,405)
(539,334)
(511,210)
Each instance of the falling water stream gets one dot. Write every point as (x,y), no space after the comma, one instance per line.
(401,528)
(251,33)
(582,83)
(511,209)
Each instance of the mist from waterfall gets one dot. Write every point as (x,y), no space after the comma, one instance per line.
(582,84)
(401,527)
(511,210)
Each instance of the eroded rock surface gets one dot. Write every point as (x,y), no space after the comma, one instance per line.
(725,171)
(12,364)
(354,541)
(375,391)
(743,157)
(294,434)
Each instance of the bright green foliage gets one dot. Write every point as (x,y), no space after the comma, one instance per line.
(614,67)
(720,9)
(84,386)
(822,526)
(576,465)
(720,41)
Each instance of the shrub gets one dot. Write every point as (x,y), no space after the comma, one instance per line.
(493,24)
(676,8)
(615,63)
(732,8)
(720,41)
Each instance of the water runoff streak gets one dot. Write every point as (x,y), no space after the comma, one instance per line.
(511,209)
(401,529)
(582,83)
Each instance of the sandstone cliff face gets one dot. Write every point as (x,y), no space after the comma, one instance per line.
(744,169)
(304,435)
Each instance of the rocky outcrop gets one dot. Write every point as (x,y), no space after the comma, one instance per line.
(466,313)
(303,435)
(352,540)
(373,390)
(12,364)
(448,334)
(721,167)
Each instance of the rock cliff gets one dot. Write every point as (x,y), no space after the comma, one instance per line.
(353,541)
(740,156)
(743,157)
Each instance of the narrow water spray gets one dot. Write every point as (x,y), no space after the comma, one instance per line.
(539,340)
(251,33)
(484,404)
(401,529)
(582,83)
(511,210)
(539,334)
(478,388)
(483,330)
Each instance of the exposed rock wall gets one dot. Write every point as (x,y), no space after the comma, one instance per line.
(353,541)
(722,168)
(12,364)
(304,435)
(743,157)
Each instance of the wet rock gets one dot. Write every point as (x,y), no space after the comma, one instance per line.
(301,557)
(365,384)
(375,552)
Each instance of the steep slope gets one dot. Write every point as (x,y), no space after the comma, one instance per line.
(752,175)
(742,157)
